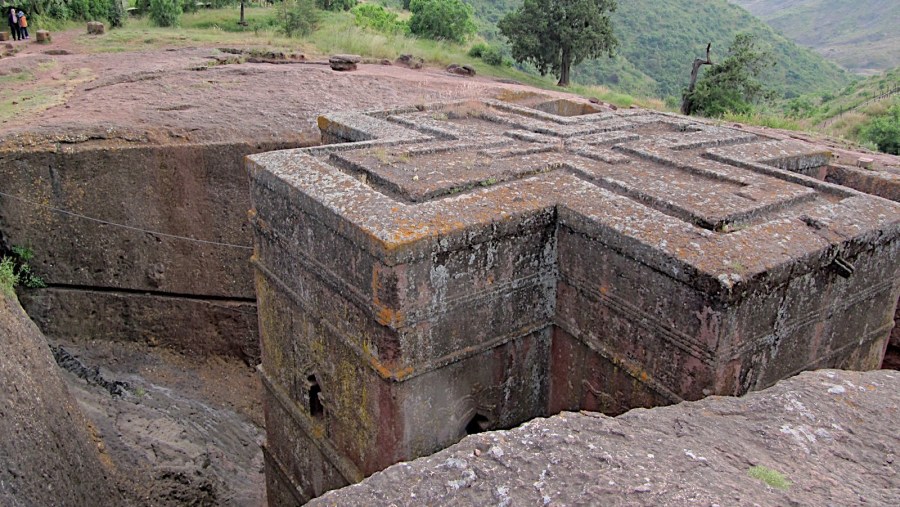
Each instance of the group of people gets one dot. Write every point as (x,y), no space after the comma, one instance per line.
(18,24)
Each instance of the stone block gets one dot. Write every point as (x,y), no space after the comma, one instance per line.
(468,266)
(42,36)
(4,36)
(95,28)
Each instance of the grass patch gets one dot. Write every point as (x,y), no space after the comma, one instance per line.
(22,102)
(8,277)
(775,121)
(771,477)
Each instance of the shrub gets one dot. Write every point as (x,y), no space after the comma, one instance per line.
(298,17)
(335,5)
(477,49)
(15,271)
(188,5)
(378,18)
(88,10)
(165,12)
(116,14)
(8,277)
(884,131)
(492,56)
(441,19)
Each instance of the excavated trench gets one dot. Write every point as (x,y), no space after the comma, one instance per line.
(150,302)
(149,305)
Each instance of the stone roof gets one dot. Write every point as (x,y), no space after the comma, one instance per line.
(716,207)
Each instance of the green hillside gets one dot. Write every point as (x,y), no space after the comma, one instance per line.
(861,35)
(846,114)
(660,38)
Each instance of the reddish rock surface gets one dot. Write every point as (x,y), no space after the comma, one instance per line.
(48,454)
(830,436)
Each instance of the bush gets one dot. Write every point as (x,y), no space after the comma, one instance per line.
(298,17)
(335,5)
(492,56)
(8,277)
(165,12)
(188,5)
(477,49)
(884,131)
(441,19)
(378,18)
(116,14)
(88,10)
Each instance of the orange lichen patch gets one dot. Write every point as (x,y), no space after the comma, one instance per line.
(324,123)
(387,317)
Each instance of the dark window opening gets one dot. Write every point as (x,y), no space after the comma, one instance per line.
(316,409)
(478,424)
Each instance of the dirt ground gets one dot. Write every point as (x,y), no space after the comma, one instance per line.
(187,94)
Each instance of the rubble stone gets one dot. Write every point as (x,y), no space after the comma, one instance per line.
(410,61)
(462,70)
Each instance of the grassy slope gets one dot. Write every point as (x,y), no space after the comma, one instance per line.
(860,35)
(844,114)
(660,38)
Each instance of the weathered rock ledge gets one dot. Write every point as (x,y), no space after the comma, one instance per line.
(834,435)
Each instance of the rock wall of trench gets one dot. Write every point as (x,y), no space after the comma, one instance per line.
(106,221)
(48,456)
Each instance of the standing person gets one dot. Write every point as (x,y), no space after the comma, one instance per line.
(13,23)
(23,26)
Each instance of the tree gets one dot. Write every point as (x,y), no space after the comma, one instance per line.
(298,17)
(686,104)
(165,12)
(554,35)
(335,5)
(732,86)
(442,19)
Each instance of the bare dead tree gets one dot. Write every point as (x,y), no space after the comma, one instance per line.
(687,102)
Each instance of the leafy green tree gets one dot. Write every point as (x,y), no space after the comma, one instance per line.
(298,17)
(165,12)
(734,85)
(116,13)
(884,130)
(442,19)
(335,5)
(554,35)
(378,18)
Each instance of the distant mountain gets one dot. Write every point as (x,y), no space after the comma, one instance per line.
(659,40)
(861,35)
